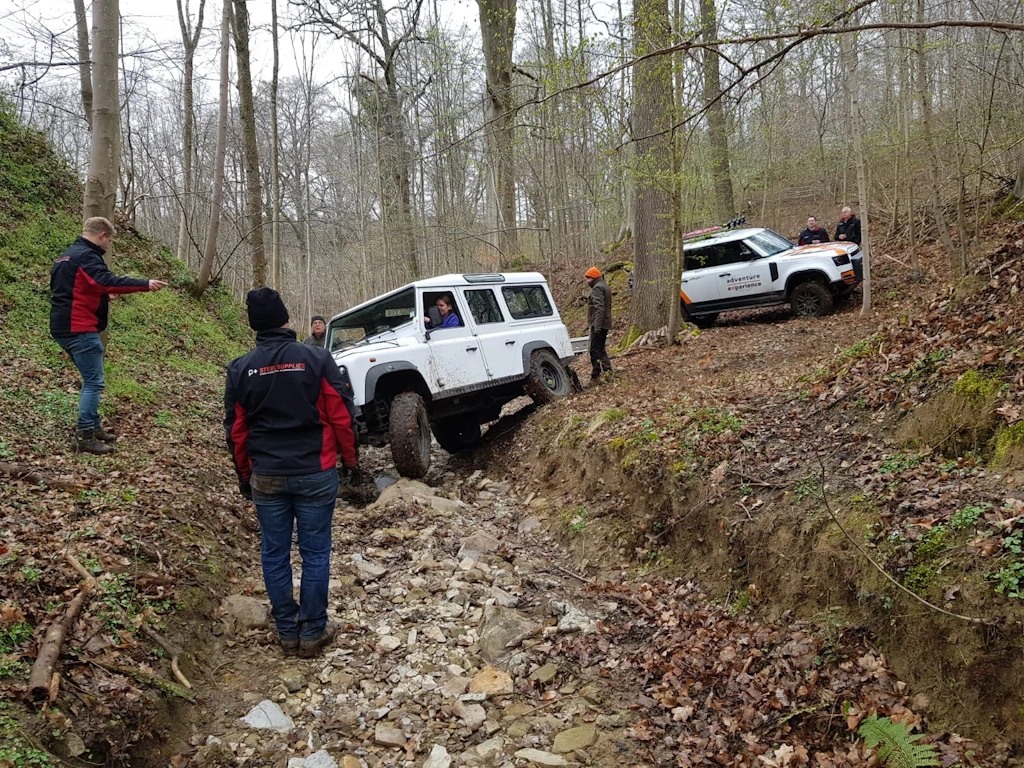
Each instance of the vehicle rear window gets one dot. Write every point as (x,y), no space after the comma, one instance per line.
(483,304)
(526,301)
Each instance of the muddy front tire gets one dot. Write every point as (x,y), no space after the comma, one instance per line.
(457,433)
(811,299)
(409,435)
(547,380)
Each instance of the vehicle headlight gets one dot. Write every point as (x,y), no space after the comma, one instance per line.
(841,259)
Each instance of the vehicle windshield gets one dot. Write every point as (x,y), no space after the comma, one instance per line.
(380,317)
(770,243)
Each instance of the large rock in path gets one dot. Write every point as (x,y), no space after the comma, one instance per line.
(539,757)
(267,716)
(438,758)
(499,629)
(491,681)
(580,737)
(244,612)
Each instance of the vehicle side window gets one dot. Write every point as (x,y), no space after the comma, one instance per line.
(700,258)
(527,301)
(483,305)
(731,253)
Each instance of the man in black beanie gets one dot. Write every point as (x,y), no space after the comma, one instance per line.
(318,332)
(287,419)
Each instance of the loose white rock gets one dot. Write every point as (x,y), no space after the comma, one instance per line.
(268,716)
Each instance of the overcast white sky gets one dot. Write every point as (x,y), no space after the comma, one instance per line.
(24,25)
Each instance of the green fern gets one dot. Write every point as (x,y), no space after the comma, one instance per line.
(896,747)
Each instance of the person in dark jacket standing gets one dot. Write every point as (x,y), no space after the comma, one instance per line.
(287,419)
(599,321)
(317,333)
(813,234)
(848,228)
(80,284)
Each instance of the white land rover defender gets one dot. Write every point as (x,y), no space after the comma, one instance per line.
(756,267)
(413,372)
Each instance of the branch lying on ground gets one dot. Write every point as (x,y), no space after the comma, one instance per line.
(147,679)
(171,651)
(918,598)
(42,680)
(30,475)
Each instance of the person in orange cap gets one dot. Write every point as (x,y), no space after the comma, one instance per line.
(599,321)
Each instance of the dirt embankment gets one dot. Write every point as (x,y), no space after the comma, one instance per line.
(725,460)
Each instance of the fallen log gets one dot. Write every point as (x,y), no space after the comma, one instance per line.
(42,680)
(31,475)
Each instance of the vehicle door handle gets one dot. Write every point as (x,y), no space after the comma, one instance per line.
(510,342)
(686,280)
(727,274)
(471,349)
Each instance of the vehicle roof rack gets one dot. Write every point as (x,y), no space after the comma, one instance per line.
(700,234)
(484,278)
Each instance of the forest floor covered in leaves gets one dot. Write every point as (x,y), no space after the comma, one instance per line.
(737,460)
(646,574)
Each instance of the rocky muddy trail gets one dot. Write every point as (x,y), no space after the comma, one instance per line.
(468,639)
(463,641)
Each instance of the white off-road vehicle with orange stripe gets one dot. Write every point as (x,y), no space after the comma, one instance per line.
(729,268)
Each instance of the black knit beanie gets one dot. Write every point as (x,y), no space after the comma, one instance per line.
(266,310)
(318,317)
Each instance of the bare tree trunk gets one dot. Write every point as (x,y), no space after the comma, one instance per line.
(247,115)
(674,308)
(1018,187)
(849,55)
(651,124)
(84,69)
(189,42)
(275,169)
(718,129)
(497,28)
(210,250)
(931,161)
(105,154)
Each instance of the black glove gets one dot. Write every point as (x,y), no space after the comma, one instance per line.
(245,488)
(355,475)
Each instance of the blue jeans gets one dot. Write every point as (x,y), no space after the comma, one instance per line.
(309,501)
(86,351)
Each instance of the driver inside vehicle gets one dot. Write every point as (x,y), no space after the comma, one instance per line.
(446,306)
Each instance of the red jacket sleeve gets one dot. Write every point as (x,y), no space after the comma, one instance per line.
(332,390)
(236,428)
(105,281)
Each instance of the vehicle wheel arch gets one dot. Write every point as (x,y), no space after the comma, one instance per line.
(530,348)
(815,275)
(386,380)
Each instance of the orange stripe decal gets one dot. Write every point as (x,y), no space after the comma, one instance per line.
(684,297)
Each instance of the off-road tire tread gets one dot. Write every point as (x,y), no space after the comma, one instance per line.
(825,298)
(534,383)
(408,417)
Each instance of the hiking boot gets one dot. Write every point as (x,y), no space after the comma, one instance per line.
(102,434)
(310,648)
(290,646)
(87,442)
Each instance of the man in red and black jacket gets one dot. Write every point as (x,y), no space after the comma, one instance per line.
(288,418)
(80,284)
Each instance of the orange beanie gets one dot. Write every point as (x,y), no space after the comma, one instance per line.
(593,272)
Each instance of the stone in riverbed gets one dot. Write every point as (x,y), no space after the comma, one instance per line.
(502,627)
(244,612)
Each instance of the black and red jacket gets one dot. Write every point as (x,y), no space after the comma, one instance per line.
(287,410)
(79,285)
